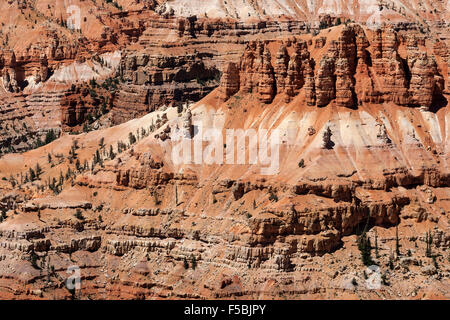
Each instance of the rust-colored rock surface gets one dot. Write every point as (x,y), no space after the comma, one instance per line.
(359,66)
(98,169)
(230,82)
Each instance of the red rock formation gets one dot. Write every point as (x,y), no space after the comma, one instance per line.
(266,79)
(345,68)
(139,207)
(390,67)
(142,215)
(152,81)
(440,49)
(352,71)
(229,83)
(10,78)
(288,76)
(257,72)
(43,71)
(310,86)
(325,81)
(424,80)
(281,68)
(247,68)
(296,74)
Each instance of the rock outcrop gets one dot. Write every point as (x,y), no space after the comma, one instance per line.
(353,70)
(266,88)
(281,69)
(229,83)
(426,83)
(43,71)
(152,81)
(362,112)
(10,77)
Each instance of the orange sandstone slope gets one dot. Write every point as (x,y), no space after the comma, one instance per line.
(158,52)
(363,125)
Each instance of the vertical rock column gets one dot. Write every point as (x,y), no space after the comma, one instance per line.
(423,82)
(345,68)
(266,83)
(229,83)
(281,69)
(294,73)
(247,68)
(42,73)
(389,66)
(9,74)
(325,81)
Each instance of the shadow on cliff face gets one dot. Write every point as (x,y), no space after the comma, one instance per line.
(365,225)
(439,102)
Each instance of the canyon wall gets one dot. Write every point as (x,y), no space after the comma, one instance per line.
(362,111)
(353,70)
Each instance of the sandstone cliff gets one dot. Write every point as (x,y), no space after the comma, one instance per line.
(361,109)
(353,70)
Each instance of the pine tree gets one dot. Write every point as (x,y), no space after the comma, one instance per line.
(38,171)
(131,138)
(61,178)
(32,174)
(79,215)
(435,262)
(180,108)
(397,242)
(112,155)
(33,259)
(376,245)
(50,136)
(97,157)
(12,181)
(176,195)
(365,248)
(391,261)
(428,240)
(68,173)
(273,197)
